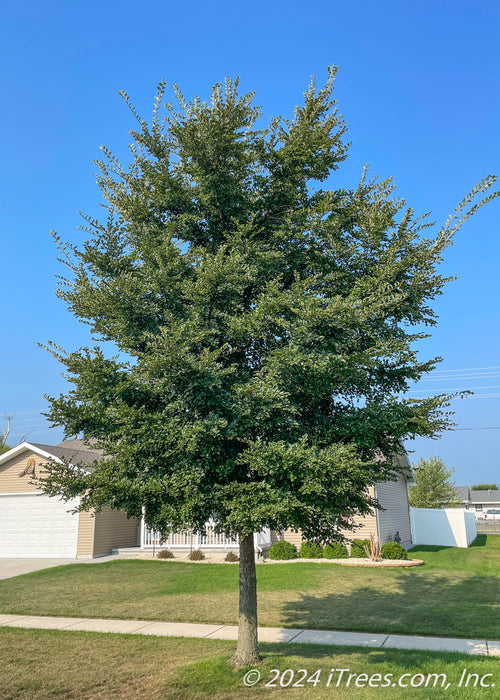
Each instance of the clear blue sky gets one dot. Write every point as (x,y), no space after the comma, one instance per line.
(419,90)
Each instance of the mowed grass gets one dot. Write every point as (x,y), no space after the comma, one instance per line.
(52,664)
(457,593)
(482,557)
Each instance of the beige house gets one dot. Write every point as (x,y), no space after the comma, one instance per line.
(33,524)
(393,522)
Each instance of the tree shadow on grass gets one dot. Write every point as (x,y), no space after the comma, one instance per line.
(429,548)
(480,541)
(214,678)
(405,658)
(437,605)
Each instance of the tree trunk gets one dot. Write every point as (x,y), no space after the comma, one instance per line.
(247,651)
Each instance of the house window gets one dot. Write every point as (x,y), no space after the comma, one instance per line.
(479,506)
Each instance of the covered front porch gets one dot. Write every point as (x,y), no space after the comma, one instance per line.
(209,541)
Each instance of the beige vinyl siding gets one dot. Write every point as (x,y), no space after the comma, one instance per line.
(365,526)
(97,534)
(11,482)
(86,525)
(114,529)
(393,497)
(293,537)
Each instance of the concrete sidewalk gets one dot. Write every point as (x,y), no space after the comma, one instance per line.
(266,634)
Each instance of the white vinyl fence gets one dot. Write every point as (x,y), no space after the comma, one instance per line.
(470,527)
(449,527)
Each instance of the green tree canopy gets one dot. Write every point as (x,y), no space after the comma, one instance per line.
(264,326)
(485,487)
(434,487)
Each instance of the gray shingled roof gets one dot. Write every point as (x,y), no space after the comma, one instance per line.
(77,444)
(465,493)
(73,451)
(462,493)
(492,496)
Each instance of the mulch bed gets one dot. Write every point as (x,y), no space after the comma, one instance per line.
(382,562)
(355,561)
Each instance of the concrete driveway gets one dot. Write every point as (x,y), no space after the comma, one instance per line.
(15,567)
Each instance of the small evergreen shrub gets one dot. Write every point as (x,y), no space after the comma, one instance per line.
(231,556)
(165,554)
(358,548)
(283,550)
(335,550)
(196,555)
(393,550)
(311,550)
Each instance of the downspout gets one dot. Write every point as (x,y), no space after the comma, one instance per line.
(143,527)
(257,546)
(410,516)
(377,514)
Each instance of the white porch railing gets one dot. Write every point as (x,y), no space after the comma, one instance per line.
(211,539)
(186,538)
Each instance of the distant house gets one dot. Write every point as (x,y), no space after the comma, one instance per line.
(462,495)
(33,524)
(391,523)
(477,501)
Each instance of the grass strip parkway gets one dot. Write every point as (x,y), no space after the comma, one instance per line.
(87,665)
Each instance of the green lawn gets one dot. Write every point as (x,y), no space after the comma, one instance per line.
(78,665)
(457,593)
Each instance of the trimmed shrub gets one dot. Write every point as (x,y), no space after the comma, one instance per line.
(165,554)
(358,549)
(393,550)
(196,555)
(335,550)
(311,550)
(231,556)
(283,550)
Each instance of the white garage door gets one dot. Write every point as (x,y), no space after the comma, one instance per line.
(37,525)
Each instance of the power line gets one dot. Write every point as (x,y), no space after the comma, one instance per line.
(495,395)
(492,427)
(492,386)
(24,413)
(479,396)
(466,369)
(460,376)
